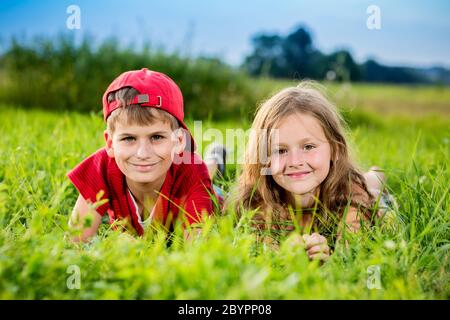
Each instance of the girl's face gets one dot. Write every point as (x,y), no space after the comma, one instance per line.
(144,154)
(300,154)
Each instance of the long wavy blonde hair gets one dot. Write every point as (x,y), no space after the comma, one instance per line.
(261,192)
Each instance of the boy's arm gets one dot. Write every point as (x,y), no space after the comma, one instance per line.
(197,202)
(197,206)
(81,211)
(190,235)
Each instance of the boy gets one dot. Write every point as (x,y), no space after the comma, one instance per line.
(148,170)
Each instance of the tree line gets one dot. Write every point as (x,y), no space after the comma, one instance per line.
(295,56)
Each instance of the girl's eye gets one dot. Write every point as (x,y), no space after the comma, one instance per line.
(280,151)
(308,147)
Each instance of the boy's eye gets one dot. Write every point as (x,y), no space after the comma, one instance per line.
(157,137)
(128,139)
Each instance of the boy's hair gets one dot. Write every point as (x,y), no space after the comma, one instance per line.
(134,113)
(339,187)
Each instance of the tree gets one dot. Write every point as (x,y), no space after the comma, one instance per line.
(298,50)
(343,65)
(267,58)
(295,56)
(285,57)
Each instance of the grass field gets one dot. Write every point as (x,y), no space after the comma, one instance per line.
(404,130)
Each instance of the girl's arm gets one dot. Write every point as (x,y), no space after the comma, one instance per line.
(316,245)
(354,218)
(81,211)
(352,223)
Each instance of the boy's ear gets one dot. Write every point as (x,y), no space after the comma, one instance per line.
(109,144)
(180,136)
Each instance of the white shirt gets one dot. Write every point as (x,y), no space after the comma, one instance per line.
(145,223)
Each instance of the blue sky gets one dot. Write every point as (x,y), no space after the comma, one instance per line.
(415,33)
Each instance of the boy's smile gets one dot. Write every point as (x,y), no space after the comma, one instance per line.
(144,167)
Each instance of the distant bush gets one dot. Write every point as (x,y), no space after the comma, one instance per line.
(59,74)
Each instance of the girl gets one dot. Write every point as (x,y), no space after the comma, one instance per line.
(298,171)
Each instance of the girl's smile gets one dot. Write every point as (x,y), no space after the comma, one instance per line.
(298,175)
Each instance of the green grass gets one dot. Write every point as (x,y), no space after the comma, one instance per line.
(417,101)
(38,148)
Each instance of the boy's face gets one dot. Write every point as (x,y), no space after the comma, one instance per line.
(144,154)
(300,154)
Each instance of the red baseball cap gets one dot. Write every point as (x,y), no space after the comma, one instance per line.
(155,90)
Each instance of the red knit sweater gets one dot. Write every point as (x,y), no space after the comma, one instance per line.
(186,186)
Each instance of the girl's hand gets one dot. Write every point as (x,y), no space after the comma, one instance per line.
(316,247)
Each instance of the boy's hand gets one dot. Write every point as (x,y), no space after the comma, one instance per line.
(316,247)
(192,234)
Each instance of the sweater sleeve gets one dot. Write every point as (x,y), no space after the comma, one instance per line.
(199,194)
(198,203)
(89,177)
